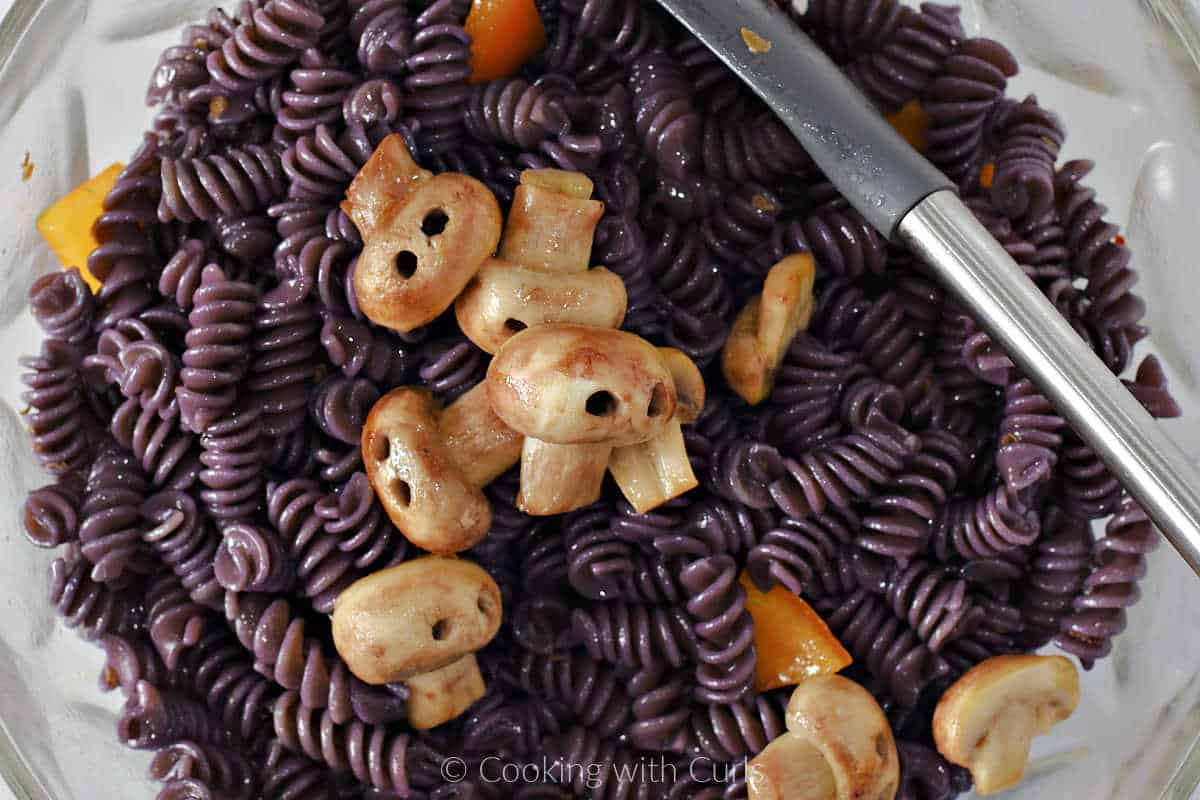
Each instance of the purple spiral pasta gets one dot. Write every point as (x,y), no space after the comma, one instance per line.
(125,257)
(253,559)
(63,305)
(889,649)
(57,417)
(318,91)
(322,567)
(635,636)
(1057,571)
(1029,437)
(514,112)
(241,181)
(803,555)
(185,542)
(52,513)
(438,68)
(111,523)
(382,32)
(451,366)
(934,602)
(233,459)
(358,349)
(273,35)
(841,241)
(166,452)
(662,711)
(959,101)
(153,719)
(623,29)
(293,776)
(321,164)
(1111,587)
(129,658)
(907,55)
(737,223)
(220,671)
(1028,140)
(664,115)
(217,348)
(574,751)
(174,621)
(801,412)
(759,149)
(925,775)
(91,608)
(901,517)
(285,357)
(276,637)
(998,632)
(696,293)
(584,685)
(373,755)
(730,732)
(995,523)
(193,771)
(724,629)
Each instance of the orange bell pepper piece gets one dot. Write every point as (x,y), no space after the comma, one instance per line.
(504,35)
(791,640)
(911,122)
(67,225)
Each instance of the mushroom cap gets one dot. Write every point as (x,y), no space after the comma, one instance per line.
(987,720)
(847,727)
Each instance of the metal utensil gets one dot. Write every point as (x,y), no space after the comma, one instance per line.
(904,197)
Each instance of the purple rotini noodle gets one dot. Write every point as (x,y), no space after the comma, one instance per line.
(185,542)
(193,771)
(273,35)
(52,513)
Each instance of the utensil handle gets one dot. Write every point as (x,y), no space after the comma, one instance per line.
(944,232)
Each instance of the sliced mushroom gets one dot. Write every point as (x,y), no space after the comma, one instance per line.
(437,697)
(570,384)
(764,329)
(425,249)
(557,478)
(987,720)
(388,178)
(417,479)
(552,222)
(841,721)
(415,618)
(478,441)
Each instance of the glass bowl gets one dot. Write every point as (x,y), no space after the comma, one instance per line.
(1123,74)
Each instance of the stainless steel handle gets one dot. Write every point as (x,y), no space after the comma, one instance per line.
(944,232)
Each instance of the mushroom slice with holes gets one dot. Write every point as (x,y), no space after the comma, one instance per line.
(552,222)
(987,720)
(388,177)
(425,250)
(841,722)
(417,478)
(571,384)
(503,299)
(765,328)
(415,618)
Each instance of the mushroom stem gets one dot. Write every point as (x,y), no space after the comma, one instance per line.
(477,440)
(655,471)
(556,478)
(440,696)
